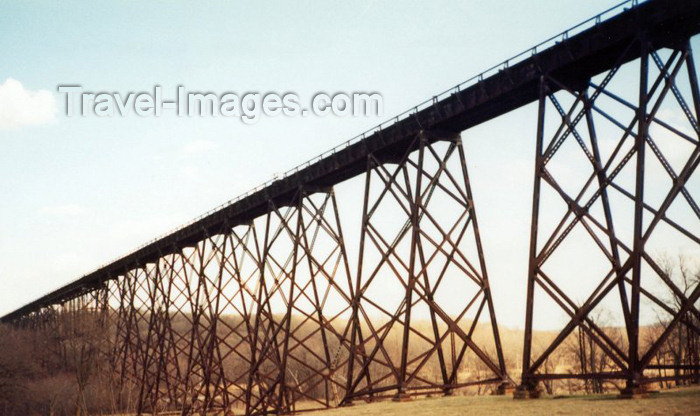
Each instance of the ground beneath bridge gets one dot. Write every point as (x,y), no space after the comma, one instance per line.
(682,401)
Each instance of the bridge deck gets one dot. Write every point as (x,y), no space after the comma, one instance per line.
(572,60)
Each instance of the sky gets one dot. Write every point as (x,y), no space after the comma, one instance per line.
(81,191)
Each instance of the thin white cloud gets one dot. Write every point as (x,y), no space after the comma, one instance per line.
(20,107)
(70,210)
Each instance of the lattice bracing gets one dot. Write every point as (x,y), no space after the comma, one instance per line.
(640,146)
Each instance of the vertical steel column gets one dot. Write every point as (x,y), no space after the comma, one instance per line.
(528,386)
(356,293)
(635,372)
(412,275)
(284,400)
(253,377)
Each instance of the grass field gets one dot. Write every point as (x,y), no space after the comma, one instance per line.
(685,401)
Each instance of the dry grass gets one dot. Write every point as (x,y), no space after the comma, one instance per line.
(685,401)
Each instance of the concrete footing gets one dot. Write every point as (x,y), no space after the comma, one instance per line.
(637,392)
(524,393)
(503,389)
(401,397)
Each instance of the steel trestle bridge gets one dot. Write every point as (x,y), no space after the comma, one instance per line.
(256,307)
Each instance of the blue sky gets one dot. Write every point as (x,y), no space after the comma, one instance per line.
(78,192)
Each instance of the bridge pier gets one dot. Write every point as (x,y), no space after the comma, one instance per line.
(628,283)
(430,174)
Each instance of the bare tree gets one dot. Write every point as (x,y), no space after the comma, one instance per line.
(681,348)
